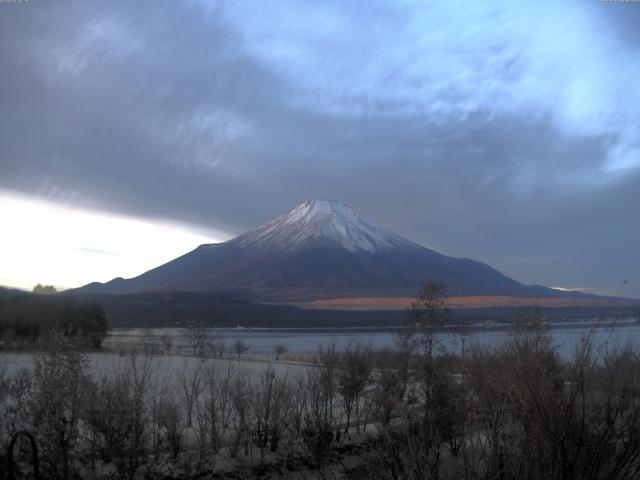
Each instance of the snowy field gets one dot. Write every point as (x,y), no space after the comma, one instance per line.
(162,368)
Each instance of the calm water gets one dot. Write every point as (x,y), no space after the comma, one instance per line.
(262,341)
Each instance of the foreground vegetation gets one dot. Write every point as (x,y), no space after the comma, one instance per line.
(514,411)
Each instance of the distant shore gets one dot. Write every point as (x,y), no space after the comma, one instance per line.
(453,328)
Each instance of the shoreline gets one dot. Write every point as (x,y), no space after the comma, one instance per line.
(372,329)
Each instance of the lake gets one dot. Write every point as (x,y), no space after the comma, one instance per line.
(307,341)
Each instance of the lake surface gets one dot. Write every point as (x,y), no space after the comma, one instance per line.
(308,341)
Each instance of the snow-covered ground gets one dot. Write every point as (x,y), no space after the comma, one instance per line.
(163,367)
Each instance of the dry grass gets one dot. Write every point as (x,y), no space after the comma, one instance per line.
(399,303)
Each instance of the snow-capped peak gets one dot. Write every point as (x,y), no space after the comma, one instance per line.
(327,221)
(315,210)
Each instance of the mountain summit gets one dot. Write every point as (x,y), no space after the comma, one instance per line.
(326,222)
(320,249)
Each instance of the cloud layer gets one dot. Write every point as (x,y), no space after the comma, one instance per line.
(502,131)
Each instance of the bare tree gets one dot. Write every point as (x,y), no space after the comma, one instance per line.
(197,338)
(59,387)
(190,380)
(321,386)
(319,441)
(428,313)
(279,350)
(241,395)
(167,343)
(354,373)
(239,347)
(271,408)
(299,404)
(215,410)
(170,419)
(15,395)
(217,344)
(386,395)
(117,419)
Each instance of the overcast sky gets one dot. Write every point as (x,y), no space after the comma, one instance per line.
(508,132)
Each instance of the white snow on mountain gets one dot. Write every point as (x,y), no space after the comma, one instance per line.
(326,221)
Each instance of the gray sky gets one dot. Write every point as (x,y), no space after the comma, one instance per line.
(508,132)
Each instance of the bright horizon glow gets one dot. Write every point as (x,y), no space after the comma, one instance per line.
(66,247)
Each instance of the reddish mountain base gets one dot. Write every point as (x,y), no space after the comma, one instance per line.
(391,303)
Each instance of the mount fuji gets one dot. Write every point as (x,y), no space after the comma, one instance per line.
(321,249)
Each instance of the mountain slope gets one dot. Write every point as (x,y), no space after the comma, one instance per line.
(320,249)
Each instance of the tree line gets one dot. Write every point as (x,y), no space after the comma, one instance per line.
(26,319)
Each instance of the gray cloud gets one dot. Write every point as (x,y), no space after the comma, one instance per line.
(509,135)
